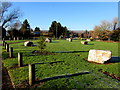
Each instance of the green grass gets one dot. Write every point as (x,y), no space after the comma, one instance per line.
(71,63)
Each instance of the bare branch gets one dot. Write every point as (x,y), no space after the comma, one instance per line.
(8,17)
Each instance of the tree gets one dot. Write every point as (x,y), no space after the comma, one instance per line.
(103,31)
(115,22)
(57,29)
(7,17)
(25,29)
(13,32)
(41,43)
(37,29)
(116,35)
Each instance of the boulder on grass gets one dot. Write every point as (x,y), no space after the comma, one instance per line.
(28,43)
(70,39)
(88,40)
(84,42)
(99,56)
(48,40)
(67,38)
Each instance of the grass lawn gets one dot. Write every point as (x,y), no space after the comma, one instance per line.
(71,58)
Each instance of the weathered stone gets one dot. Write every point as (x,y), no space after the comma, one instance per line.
(67,38)
(48,40)
(99,56)
(28,43)
(70,40)
(88,40)
(84,42)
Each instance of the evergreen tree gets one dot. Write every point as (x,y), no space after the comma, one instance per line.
(37,29)
(25,29)
(57,29)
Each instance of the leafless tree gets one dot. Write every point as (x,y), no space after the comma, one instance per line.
(105,25)
(115,22)
(7,16)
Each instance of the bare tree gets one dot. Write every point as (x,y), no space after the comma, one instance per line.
(7,17)
(105,25)
(115,22)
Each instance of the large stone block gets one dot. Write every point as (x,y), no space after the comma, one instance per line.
(28,43)
(99,56)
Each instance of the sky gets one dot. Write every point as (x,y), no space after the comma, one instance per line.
(73,15)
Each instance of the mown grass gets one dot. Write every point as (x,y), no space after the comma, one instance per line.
(73,59)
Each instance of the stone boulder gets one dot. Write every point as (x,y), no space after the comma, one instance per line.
(99,56)
(28,43)
(88,40)
(48,40)
(67,38)
(70,39)
(84,42)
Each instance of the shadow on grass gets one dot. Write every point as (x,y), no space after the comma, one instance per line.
(55,41)
(62,76)
(113,60)
(69,51)
(46,63)
(89,44)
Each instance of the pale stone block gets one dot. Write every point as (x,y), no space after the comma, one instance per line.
(99,56)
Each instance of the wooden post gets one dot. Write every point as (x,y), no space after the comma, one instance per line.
(31,74)
(3,43)
(9,38)
(20,60)
(14,38)
(3,39)
(17,38)
(11,52)
(7,47)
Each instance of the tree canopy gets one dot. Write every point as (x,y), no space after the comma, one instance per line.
(57,29)
(25,29)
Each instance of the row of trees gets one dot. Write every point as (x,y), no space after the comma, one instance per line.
(107,30)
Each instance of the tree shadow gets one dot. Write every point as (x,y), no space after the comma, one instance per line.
(69,51)
(113,60)
(62,76)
